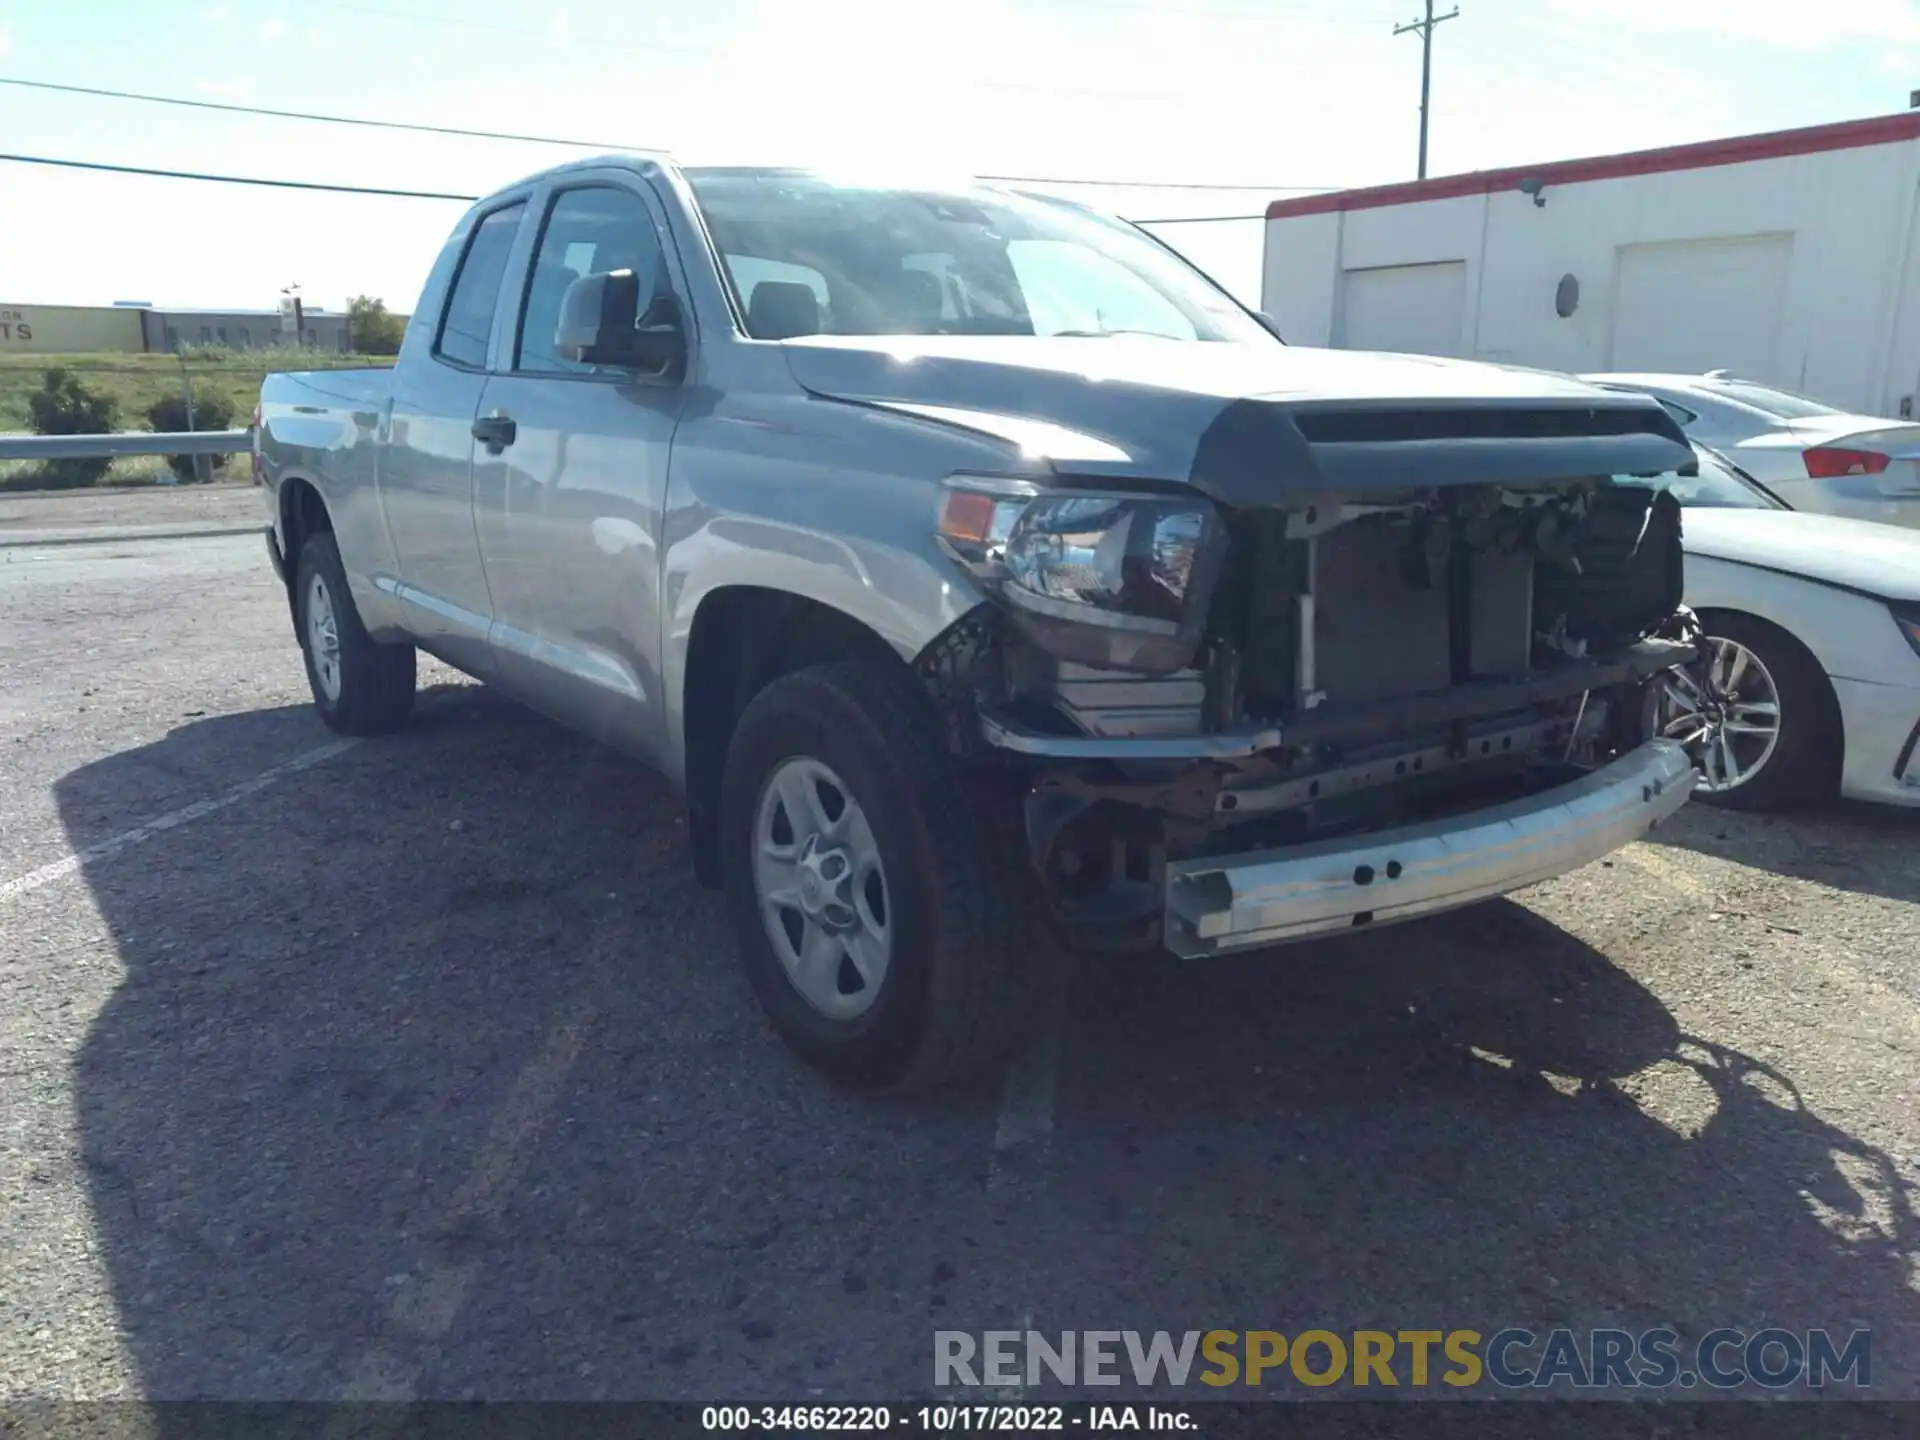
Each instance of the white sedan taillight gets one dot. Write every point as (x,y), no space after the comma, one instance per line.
(1830,462)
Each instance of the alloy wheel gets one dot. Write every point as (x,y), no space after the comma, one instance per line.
(1731,725)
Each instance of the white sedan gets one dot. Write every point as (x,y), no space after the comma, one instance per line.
(1815,626)
(1813,456)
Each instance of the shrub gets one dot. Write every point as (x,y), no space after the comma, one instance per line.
(372,328)
(63,405)
(211,411)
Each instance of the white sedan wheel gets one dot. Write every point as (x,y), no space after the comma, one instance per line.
(1731,727)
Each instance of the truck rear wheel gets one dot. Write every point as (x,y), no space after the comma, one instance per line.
(874,920)
(360,686)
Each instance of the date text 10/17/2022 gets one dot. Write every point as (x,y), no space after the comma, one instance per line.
(948,1419)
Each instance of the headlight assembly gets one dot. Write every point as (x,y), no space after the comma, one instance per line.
(1116,580)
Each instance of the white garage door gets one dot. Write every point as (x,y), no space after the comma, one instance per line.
(1415,309)
(1701,305)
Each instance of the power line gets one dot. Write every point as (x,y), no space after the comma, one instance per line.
(1152,184)
(319,118)
(1424,28)
(232,179)
(567,43)
(414,194)
(1195,219)
(313,116)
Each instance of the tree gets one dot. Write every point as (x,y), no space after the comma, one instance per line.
(372,328)
(63,405)
(211,411)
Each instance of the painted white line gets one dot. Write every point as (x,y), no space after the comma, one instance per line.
(1024,1130)
(1026,1103)
(431,1297)
(173,820)
(1023,1135)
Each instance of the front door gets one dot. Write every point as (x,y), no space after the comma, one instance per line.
(569,493)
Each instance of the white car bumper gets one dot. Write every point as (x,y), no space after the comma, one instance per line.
(1882,726)
(1221,903)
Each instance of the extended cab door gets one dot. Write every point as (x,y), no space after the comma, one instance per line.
(426,467)
(571,487)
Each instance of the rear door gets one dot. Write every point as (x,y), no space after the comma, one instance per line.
(426,467)
(570,506)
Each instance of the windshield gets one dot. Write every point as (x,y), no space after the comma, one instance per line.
(1718,486)
(809,256)
(1777,403)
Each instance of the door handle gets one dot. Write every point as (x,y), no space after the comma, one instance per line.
(495,431)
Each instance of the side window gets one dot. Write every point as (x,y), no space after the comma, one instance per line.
(590,231)
(1682,416)
(468,322)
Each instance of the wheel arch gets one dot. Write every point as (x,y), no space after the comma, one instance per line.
(302,511)
(742,638)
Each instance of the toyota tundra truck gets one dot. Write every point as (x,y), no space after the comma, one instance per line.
(984,575)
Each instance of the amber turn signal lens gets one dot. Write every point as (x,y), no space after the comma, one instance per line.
(967,516)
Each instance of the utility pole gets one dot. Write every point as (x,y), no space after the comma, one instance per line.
(1425,29)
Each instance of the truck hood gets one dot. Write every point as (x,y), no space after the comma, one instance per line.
(1882,560)
(1250,424)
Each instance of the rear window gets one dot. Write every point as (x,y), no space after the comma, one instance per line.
(1779,403)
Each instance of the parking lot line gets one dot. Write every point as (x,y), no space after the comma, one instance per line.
(1649,861)
(1024,1129)
(173,820)
(430,1298)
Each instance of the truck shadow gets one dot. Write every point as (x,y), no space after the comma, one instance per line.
(431,1074)
(1479,1120)
(1846,845)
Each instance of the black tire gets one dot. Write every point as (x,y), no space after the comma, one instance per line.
(376,681)
(1805,764)
(957,993)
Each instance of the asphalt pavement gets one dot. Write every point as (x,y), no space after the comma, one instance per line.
(421,1067)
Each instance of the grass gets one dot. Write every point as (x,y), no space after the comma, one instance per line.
(134,382)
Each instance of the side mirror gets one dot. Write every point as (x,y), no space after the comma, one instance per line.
(600,324)
(1270,325)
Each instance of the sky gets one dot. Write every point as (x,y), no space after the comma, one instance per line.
(1278,95)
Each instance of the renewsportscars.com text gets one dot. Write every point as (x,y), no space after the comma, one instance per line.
(1604,1359)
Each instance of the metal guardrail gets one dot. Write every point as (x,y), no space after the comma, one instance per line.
(132,442)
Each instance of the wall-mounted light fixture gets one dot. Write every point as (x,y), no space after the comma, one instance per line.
(1533,185)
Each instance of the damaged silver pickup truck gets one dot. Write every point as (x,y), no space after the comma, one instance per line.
(973,564)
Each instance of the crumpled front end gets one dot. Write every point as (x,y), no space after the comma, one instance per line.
(1349,702)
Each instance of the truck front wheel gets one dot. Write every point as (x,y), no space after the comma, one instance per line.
(360,686)
(875,921)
